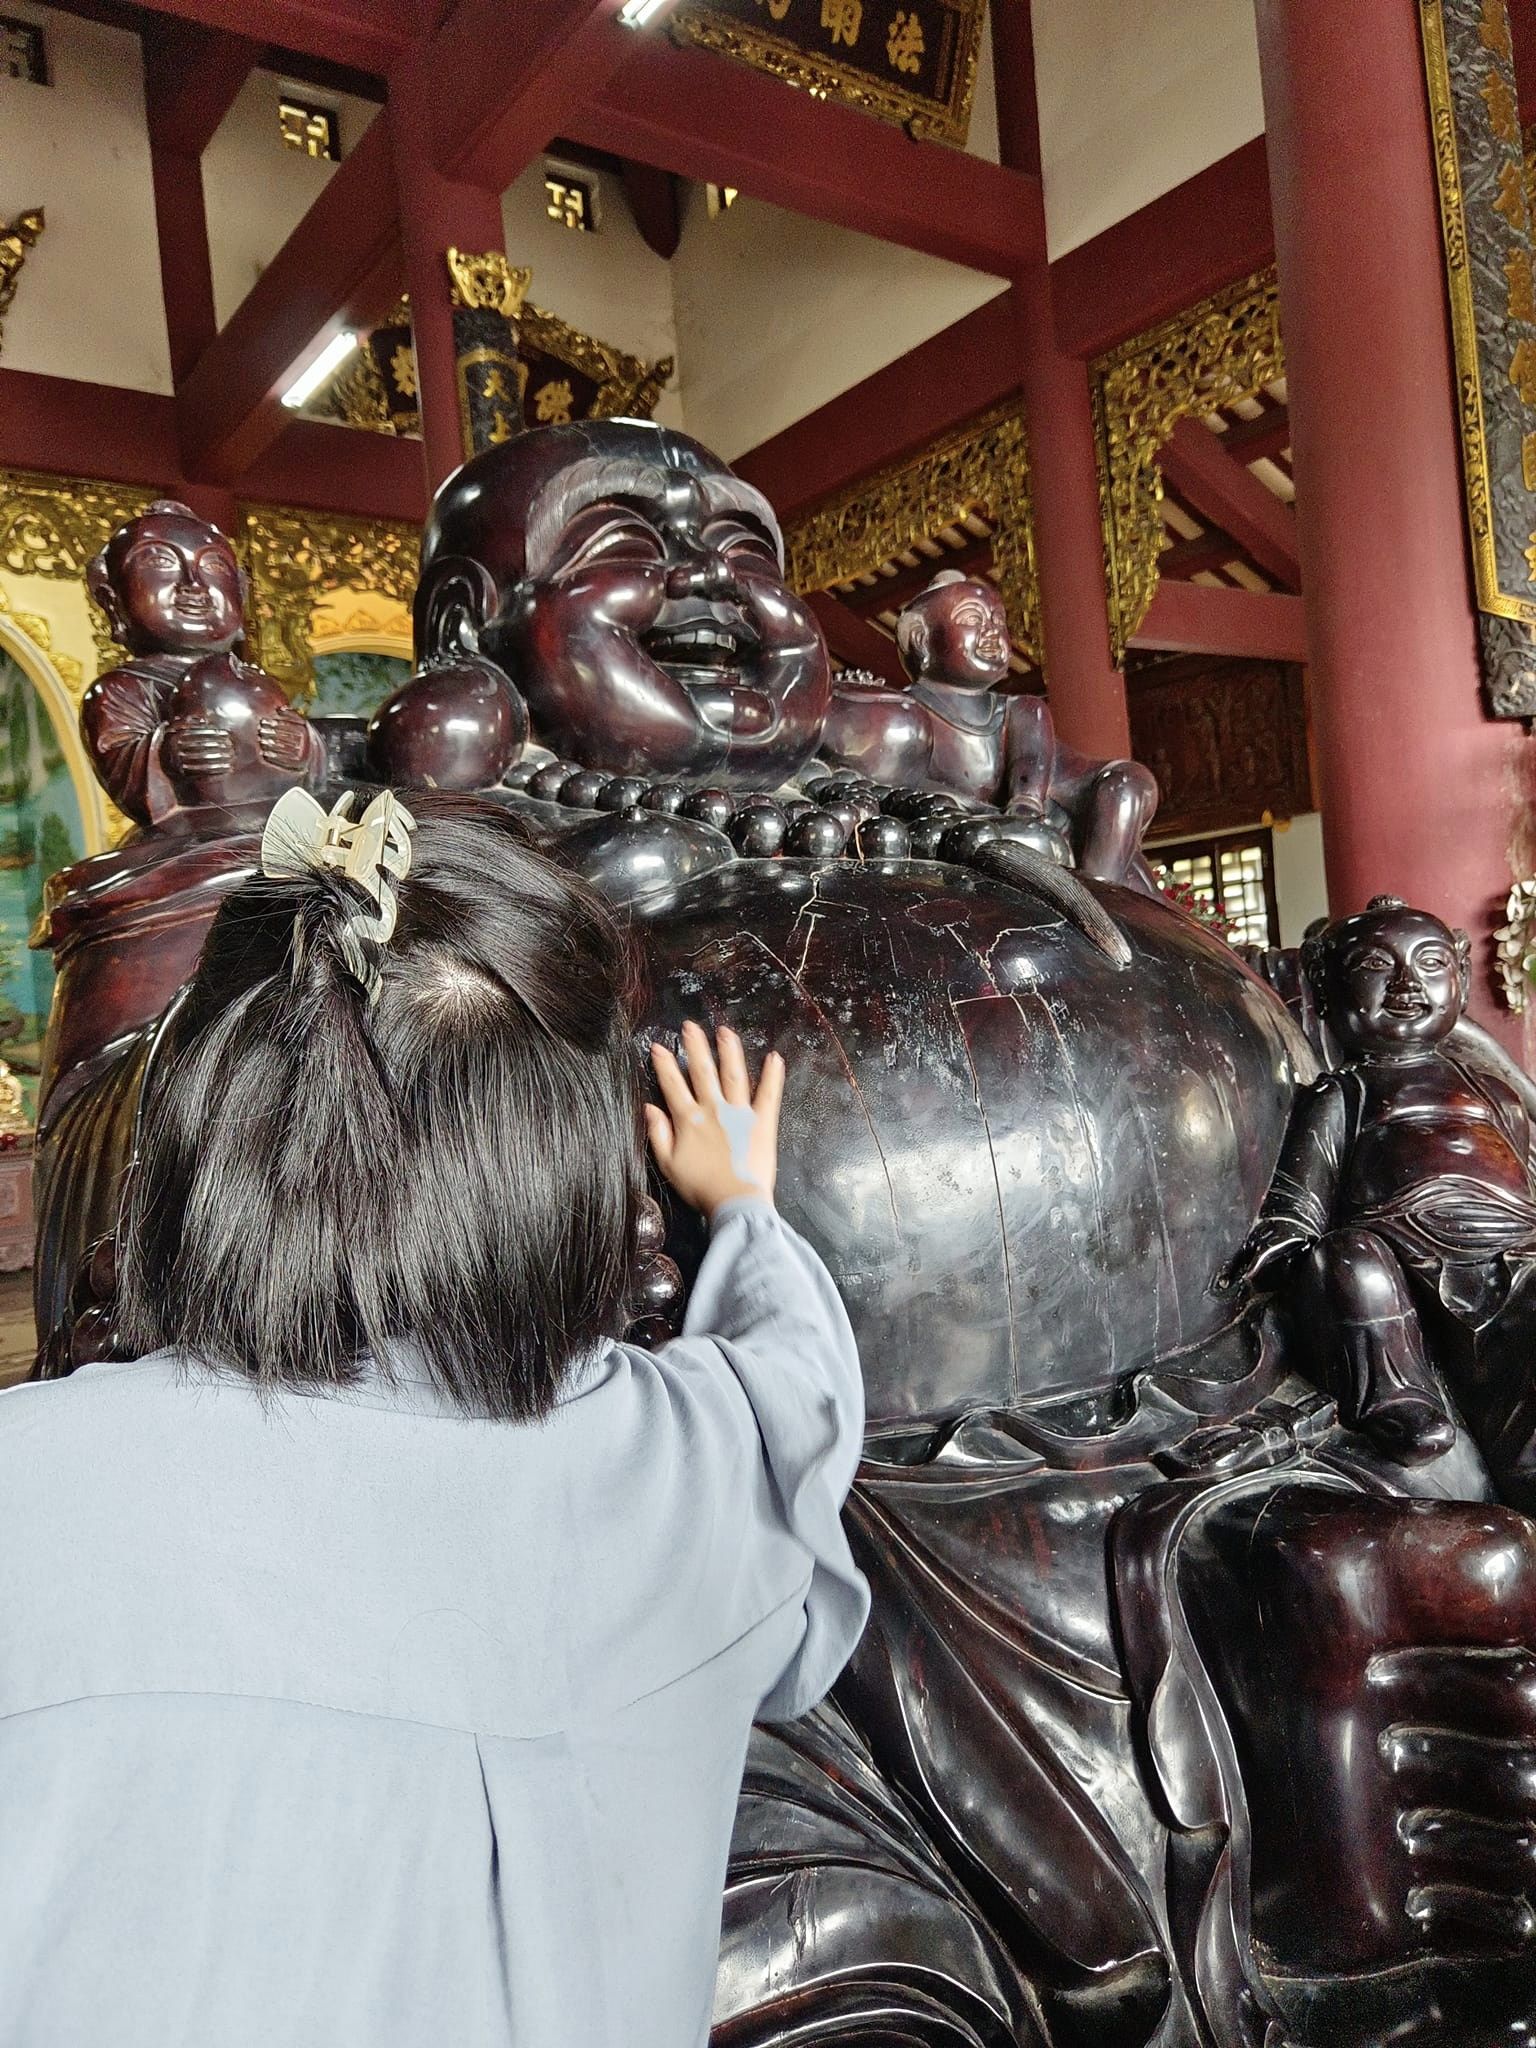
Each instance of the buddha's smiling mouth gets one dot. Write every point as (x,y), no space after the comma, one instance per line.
(696,637)
(697,647)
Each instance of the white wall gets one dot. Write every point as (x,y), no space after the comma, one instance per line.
(982,137)
(1301,889)
(777,314)
(88,305)
(255,189)
(611,284)
(1135,97)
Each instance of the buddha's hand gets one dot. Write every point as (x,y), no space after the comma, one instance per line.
(1262,1257)
(715,1140)
(198,746)
(283,740)
(1459,1752)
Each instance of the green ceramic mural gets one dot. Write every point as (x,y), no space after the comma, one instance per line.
(40,831)
(356,683)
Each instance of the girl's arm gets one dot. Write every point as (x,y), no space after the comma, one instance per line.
(764,1302)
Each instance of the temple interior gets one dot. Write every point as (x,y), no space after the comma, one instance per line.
(1107,600)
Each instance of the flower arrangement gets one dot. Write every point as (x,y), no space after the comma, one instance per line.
(1201,908)
(1516,941)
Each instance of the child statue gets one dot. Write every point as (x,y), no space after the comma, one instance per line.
(1402,1218)
(183,733)
(954,729)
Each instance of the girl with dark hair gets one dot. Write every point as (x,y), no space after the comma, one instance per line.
(379,1642)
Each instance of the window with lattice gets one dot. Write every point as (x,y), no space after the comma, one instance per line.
(1232,877)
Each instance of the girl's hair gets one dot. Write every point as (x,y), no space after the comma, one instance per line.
(453,1170)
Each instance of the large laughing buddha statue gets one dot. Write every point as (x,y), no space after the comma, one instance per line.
(1188,1716)
(632,588)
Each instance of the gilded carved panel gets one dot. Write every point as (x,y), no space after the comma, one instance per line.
(980,467)
(296,559)
(1222,350)
(1490,264)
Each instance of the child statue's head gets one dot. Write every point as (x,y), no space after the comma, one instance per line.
(1391,979)
(169,584)
(955,632)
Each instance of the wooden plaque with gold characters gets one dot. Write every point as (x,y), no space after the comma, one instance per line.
(909,61)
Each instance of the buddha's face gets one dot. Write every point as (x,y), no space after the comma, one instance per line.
(652,630)
(1393,981)
(170,584)
(961,637)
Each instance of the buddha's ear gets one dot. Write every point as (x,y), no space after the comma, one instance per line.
(455,600)
(99,584)
(1463,960)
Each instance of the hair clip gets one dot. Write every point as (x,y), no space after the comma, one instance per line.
(373,851)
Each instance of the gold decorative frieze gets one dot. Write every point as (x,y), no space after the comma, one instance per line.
(17,239)
(295,558)
(52,525)
(1224,349)
(980,468)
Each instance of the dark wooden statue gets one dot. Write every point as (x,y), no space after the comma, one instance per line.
(194,745)
(1403,1215)
(1192,1713)
(953,728)
(184,733)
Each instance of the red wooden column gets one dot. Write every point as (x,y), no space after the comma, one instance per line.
(436,214)
(1085,689)
(1416,785)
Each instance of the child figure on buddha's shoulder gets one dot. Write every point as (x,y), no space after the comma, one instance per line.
(390,1678)
(1403,1212)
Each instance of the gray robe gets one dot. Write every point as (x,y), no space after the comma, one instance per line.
(346,1720)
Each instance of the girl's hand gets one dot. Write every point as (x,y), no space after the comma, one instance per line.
(715,1140)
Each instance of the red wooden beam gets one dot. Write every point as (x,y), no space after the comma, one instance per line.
(339,268)
(69,428)
(368,35)
(501,80)
(855,642)
(1220,489)
(191,77)
(895,411)
(1193,618)
(703,117)
(1213,229)
(339,469)
(1187,559)
(1269,434)
(491,83)
(895,593)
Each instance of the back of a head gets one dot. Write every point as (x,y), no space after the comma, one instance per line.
(451,1170)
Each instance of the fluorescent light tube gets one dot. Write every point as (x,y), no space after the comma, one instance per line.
(330,359)
(637,13)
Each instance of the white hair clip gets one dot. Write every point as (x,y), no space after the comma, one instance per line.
(374,851)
